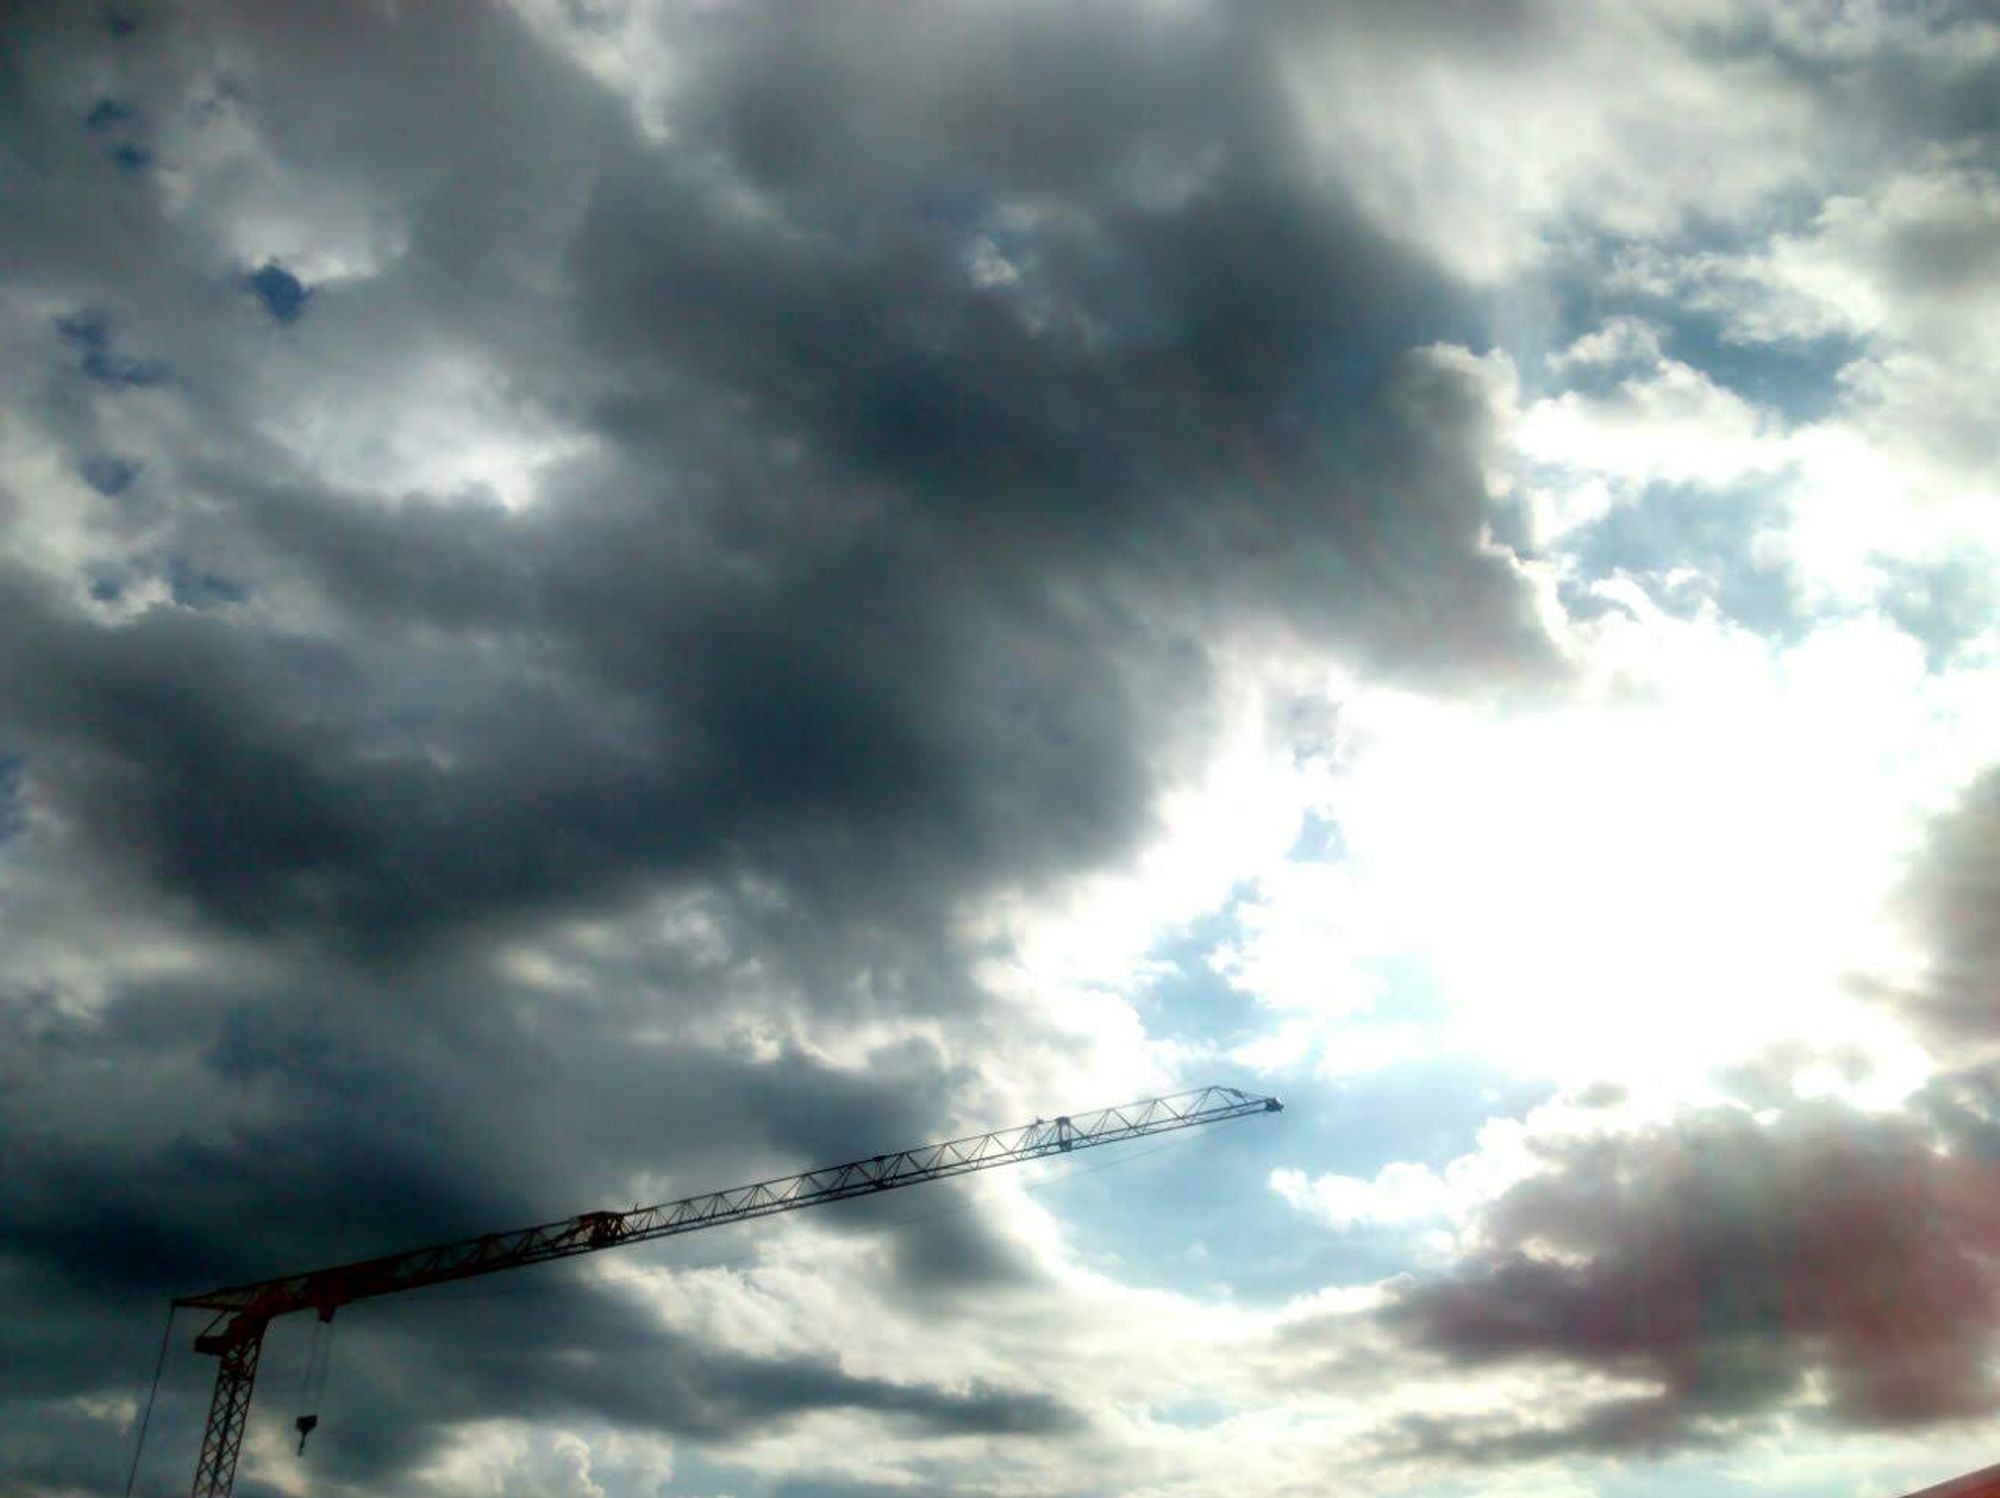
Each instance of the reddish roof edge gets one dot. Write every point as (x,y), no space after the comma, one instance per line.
(1985,1483)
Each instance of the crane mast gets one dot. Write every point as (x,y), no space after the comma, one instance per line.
(235,1336)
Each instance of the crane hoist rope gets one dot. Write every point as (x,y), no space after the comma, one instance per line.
(312,1381)
(235,1334)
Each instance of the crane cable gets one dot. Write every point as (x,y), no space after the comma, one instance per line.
(312,1379)
(159,1367)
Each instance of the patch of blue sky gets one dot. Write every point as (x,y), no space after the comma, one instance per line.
(197,587)
(1319,841)
(1536,317)
(1194,1414)
(283,294)
(1798,379)
(1188,999)
(1407,990)
(109,476)
(109,114)
(1199,1212)
(1711,532)
(1582,605)
(1947,606)
(88,333)
(1196,1217)
(128,156)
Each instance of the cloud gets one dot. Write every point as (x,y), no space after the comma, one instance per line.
(1954,895)
(1620,341)
(1644,887)
(522,641)
(1510,140)
(1825,1261)
(1399,1193)
(600,600)
(1889,288)
(966,467)
(335,1126)
(514,1461)
(1670,423)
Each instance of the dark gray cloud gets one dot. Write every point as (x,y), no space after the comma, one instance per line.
(1725,1263)
(333,1125)
(1954,897)
(927,415)
(960,618)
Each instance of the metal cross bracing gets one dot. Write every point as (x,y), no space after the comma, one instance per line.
(235,1378)
(243,1311)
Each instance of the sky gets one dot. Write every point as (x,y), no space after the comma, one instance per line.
(604,598)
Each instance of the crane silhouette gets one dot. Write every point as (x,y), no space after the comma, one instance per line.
(235,1335)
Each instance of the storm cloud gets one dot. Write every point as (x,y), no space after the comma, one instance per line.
(875,561)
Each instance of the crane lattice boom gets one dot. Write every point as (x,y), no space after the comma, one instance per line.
(236,1334)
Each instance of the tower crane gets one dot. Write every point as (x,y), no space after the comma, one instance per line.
(241,1313)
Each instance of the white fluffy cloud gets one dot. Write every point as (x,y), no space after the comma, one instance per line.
(1898,280)
(1507,132)
(514,1459)
(1682,866)
(1399,1193)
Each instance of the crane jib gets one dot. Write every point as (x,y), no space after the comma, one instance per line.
(235,1335)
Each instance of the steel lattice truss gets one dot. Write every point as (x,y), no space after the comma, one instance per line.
(242,1312)
(324,1290)
(234,1380)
